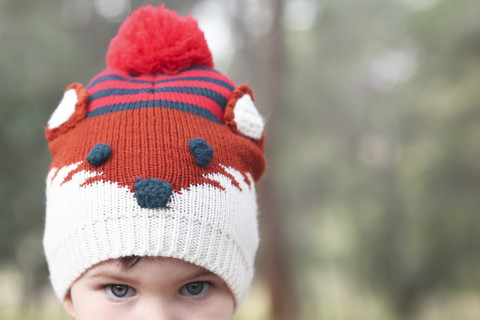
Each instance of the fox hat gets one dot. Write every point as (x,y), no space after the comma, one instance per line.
(158,156)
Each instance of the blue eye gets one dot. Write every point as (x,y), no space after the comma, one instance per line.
(99,154)
(196,289)
(202,152)
(118,291)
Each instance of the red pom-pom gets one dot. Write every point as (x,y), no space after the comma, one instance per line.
(157,40)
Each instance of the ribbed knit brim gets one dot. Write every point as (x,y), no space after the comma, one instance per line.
(220,235)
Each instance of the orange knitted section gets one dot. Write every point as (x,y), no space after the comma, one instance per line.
(153,143)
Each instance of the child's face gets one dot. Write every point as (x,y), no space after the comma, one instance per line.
(154,288)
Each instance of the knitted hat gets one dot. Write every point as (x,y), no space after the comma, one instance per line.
(158,156)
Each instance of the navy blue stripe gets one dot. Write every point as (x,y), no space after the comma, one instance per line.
(215,96)
(201,68)
(185,107)
(206,79)
(117,77)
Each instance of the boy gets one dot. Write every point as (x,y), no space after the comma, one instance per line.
(151,206)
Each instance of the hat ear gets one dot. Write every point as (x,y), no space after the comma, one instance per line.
(242,116)
(71,110)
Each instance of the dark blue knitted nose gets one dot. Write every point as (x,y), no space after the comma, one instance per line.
(152,193)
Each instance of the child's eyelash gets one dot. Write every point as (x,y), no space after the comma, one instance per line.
(197,289)
(117,291)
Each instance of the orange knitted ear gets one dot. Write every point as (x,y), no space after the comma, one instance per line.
(242,117)
(71,110)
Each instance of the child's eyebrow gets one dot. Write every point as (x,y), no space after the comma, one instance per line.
(199,274)
(110,276)
(117,275)
(203,273)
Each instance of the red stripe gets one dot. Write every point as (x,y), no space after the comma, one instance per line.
(155,77)
(149,77)
(121,73)
(197,100)
(118,84)
(196,73)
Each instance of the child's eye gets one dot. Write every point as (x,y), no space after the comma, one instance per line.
(117,291)
(196,289)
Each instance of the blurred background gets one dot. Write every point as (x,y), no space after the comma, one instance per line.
(370,208)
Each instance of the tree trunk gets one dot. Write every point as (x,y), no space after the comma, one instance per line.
(275,248)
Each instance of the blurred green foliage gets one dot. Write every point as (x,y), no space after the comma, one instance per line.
(376,160)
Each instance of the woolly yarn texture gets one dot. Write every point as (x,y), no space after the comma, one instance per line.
(158,156)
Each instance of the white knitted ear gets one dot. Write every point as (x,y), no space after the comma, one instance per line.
(248,120)
(65,109)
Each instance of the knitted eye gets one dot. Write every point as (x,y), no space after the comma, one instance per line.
(99,154)
(202,152)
